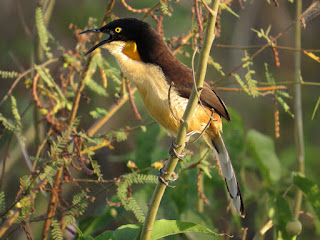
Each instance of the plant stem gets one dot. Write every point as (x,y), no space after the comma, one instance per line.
(52,205)
(181,136)
(298,106)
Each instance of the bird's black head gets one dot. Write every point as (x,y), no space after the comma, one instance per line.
(125,29)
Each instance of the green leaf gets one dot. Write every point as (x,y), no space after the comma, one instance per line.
(163,228)
(262,149)
(107,235)
(48,173)
(90,238)
(2,201)
(127,232)
(98,112)
(8,74)
(42,32)
(311,190)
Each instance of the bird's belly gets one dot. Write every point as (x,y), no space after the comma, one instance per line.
(157,104)
(169,112)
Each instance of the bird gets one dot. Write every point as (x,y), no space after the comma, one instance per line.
(148,63)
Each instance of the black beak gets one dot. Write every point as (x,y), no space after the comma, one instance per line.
(96,30)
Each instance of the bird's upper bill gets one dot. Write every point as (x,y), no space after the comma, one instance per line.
(125,29)
(98,30)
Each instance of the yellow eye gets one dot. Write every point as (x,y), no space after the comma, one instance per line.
(118,29)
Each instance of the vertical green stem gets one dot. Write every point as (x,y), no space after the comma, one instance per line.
(298,105)
(181,136)
(200,190)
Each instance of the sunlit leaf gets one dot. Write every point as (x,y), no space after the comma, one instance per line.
(313,56)
(163,228)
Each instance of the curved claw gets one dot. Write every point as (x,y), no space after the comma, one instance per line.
(174,177)
(173,153)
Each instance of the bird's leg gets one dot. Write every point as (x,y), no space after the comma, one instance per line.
(173,153)
(173,176)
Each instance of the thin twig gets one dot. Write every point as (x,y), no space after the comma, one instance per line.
(133,105)
(263,230)
(204,129)
(23,75)
(169,102)
(114,108)
(272,88)
(52,205)
(126,5)
(260,46)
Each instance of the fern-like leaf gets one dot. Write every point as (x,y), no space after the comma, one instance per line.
(48,173)
(2,201)
(96,169)
(80,203)
(60,145)
(98,113)
(42,32)
(241,83)
(216,65)
(7,123)
(25,182)
(7,74)
(120,136)
(130,204)
(56,230)
(17,119)
(251,83)
(25,205)
(278,93)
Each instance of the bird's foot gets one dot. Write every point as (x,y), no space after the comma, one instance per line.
(173,152)
(173,176)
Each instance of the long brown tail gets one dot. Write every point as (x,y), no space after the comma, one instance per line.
(229,175)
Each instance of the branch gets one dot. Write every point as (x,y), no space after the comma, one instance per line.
(23,75)
(181,136)
(100,122)
(298,107)
(52,205)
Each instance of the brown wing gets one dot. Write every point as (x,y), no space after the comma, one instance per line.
(208,97)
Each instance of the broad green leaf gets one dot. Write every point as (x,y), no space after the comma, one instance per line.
(163,228)
(126,232)
(88,238)
(107,235)
(311,190)
(262,149)
(200,218)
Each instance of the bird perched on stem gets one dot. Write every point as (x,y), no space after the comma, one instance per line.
(165,85)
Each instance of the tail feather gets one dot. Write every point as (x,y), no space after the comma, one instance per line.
(229,175)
